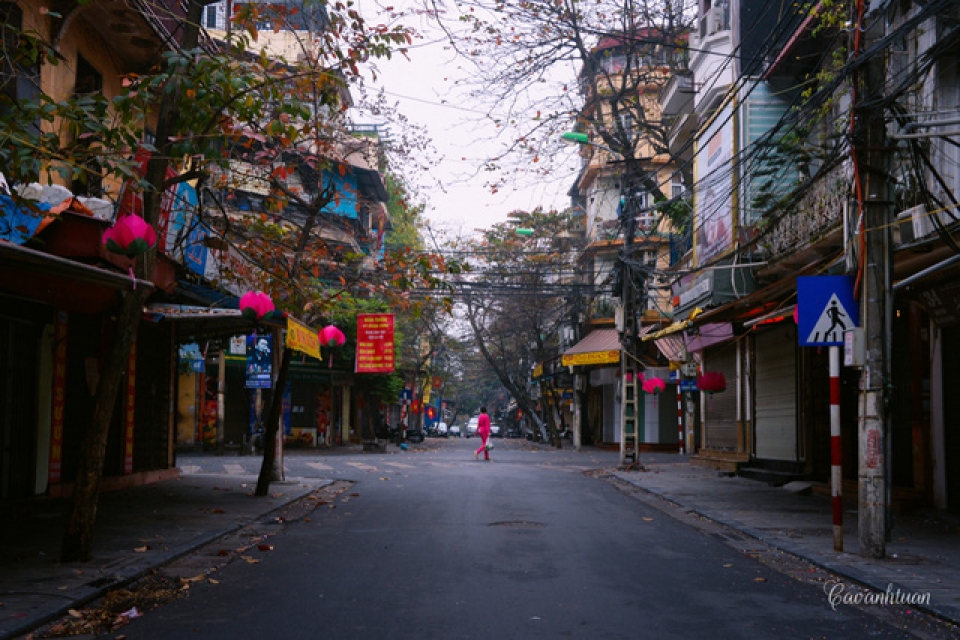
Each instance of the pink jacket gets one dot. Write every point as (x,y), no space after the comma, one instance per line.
(483,426)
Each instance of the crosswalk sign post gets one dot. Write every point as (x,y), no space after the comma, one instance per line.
(826,309)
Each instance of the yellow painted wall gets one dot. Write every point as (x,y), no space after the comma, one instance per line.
(187,408)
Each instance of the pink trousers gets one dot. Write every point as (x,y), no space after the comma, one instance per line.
(483,448)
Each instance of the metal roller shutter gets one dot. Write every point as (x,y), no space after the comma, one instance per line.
(775,423)
(720,409)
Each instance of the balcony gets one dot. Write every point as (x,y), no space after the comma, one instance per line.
(813,228)
(677,97)
(714,21)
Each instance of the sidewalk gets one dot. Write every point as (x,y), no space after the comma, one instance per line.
(922,557)
(138,529)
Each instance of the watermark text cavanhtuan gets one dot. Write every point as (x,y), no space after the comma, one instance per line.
(839,593)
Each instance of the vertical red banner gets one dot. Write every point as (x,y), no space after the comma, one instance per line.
(59,396)
(129,411)
(375,343)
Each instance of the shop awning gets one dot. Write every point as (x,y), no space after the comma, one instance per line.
(61,282)
(672,347)
(680,325)
(203,321)
(598,347)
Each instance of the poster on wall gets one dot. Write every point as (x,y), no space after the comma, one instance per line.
(375,348)
(259,361)
(713,208)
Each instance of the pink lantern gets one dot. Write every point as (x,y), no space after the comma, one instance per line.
(654,386)
(712,382)
(330,336)
(255,305)
(130,236)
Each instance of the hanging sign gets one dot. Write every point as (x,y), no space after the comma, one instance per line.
(302,338)
(375,346)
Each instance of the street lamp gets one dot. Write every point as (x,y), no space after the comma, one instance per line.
(631,407)
(577,137)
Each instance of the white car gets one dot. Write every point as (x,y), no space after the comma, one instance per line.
(442,429)
(472,426)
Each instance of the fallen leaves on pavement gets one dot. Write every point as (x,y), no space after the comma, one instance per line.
(114,610)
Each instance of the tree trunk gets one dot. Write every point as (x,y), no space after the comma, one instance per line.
(272,425)
(78,536)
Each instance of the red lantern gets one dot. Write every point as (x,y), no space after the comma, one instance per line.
(255,305)
(712,382)
(130,236)
(330,336)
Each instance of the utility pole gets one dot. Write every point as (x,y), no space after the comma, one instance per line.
(630,401)
(873,468)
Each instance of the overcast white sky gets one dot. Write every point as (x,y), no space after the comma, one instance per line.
(452,188)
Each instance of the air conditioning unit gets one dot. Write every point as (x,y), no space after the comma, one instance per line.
(922,222)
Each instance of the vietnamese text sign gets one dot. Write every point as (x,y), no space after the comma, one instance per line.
(302,338)
(592,357)
(374,343)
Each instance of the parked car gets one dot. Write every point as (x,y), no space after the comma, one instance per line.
(495,430)
(437,430)
(472,426)
(512,431)
(454,431)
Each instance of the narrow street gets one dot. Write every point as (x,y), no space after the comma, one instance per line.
(433,544)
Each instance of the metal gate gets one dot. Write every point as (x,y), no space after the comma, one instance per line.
(775,383)
(720,409)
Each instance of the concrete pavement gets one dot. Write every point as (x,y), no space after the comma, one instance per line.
(138,529)
(923,556)
(143,528)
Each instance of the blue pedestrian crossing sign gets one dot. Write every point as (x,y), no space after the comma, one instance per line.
(825,309)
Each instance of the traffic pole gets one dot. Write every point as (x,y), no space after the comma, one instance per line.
(836,458)
(680,415)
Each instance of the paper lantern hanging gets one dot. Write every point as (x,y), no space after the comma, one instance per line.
(712,382)
(654,386)
(330,336)
(130,236)
(255,305)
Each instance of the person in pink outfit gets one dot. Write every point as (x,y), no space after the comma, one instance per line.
(483,430)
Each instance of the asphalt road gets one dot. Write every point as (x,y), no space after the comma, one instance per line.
(429,543)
